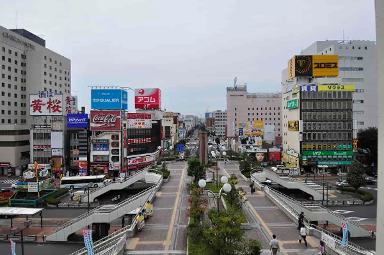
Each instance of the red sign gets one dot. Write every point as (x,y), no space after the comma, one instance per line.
(105,120)
(141,116)
(274,156)
(148,98)
(139,140)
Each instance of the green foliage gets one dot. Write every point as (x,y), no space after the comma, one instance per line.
(254,247)
(213,187)
(224,234)
(367,139)
(365,196)
(165,171)
(54,198)
(355,176)
(195,169)
(199,247)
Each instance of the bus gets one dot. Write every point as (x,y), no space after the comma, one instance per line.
(79,182)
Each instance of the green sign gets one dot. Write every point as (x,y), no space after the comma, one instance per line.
(344,146)
(334,163)
(293,104)
(327,153)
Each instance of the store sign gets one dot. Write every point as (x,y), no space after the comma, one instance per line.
(33,187)
(325,65)
(100,147)
(313,66)
(109,99)
(71,104)
(293,104)
(45,104)
(42,147)
(293,125)
(335,163)
(139,140)
(308,88)
(77,120)
(148,98)
(292,152)
(105,120)
(336,87)
(328,153)
(141,160)
(321,146)
(41,126)
(241,131)
(57,152)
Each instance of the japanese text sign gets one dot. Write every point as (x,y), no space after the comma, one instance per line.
(45,104)
(148,98)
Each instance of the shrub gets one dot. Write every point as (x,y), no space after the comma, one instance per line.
(254,247)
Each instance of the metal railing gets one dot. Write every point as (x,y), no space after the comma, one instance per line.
(115,241)
(350,249)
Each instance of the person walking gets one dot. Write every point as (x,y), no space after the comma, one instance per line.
(322,248)
(274,245)
(300,221)
(303,235)
(252,186)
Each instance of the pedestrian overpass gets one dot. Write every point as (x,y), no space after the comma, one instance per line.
(107,213)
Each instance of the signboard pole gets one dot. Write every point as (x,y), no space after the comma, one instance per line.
(36,166)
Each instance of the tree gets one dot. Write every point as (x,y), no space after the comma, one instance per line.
(195,169)
(355,176)
(367,139)
(224,234)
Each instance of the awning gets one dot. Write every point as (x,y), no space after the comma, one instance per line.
(19,211)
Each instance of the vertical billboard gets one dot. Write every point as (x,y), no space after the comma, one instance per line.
(79,120)
(293,125)
(71,104)
(45,103)
(105,120)
(109,99)
(149,99)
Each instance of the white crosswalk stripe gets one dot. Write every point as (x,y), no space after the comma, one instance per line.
(8,181)
(343,211)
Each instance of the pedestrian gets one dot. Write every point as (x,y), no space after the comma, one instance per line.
(303,235)
(300,221)
(274,245)
(322,248)
(252,186)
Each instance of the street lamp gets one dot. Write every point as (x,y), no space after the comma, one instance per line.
(226,188)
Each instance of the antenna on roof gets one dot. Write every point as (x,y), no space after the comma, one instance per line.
(343,35)
(17,19)
(235,82)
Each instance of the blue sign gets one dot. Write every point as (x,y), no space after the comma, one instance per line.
(241,131)
(109,99)
(180,147)
(77,120)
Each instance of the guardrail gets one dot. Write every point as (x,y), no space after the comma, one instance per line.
(351,249)
(115,242)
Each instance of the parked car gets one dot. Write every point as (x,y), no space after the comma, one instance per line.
(342,183)
(370,180)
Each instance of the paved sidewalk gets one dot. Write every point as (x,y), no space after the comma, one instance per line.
(270,217)
(166,230)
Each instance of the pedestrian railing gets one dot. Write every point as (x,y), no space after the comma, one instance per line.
(337,246)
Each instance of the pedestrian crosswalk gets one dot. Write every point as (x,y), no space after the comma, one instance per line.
(8,181)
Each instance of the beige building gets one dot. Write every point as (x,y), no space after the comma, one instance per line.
(26,67)
(244,107)
(170,129)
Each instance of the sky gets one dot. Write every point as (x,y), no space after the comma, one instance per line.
(192,49)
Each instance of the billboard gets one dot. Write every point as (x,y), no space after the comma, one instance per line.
(71,104)
(336,87)
(258,124)
(45,103)
(148,98)
(293,104)
(79,120)
(327,153)
(109,99)
(293,125)
(139,120)
(308,88)
(325,65)
(313,66)
(105,120)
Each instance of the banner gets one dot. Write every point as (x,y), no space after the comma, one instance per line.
(293,125)
(336,87)
(105,121)
(344,241)
(45,104)
(325,65)
(13,247)
(148,98)
(87,234)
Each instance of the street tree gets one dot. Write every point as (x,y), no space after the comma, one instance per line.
(367,139)
(195,169)
(355,176)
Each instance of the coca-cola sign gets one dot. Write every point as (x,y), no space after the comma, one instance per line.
(105,120)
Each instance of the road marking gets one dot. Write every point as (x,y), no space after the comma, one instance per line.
(132,243)
(167,242)
(342,211)
(355,219)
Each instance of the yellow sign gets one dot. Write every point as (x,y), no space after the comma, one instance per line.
(336,87)
(258,124)
(325,65)
(291,68)
(293,125)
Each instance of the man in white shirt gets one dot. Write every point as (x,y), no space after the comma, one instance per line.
(274,245)
(303,234)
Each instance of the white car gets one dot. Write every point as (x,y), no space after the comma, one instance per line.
(342,183)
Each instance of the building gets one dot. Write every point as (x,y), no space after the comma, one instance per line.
(220,122)
(246,109)
(27,67)
(317,114)
(358,66)
(170,127)
(190,122)
(209,122)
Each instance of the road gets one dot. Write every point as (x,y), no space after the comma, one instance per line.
(40,249)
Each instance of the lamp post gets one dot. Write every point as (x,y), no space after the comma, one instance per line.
(226,188)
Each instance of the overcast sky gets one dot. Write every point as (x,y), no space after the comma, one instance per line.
(191,49)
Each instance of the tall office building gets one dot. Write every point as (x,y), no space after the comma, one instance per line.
(358,66)
(27,67)
(220,122)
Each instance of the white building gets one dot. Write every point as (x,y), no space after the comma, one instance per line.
(358,66)
(190,121)
(26,67)
(169,125)
(220,122)
(244,107)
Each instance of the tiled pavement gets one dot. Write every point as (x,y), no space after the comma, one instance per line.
(167,228)
(271,218)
